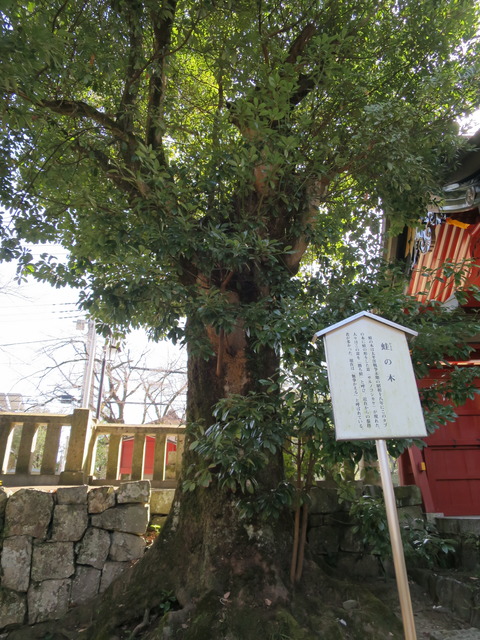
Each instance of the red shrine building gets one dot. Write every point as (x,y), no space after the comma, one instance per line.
(447,469)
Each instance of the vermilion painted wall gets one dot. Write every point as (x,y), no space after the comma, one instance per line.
(451,460)
(127,455)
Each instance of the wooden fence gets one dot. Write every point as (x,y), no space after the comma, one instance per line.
(80,455)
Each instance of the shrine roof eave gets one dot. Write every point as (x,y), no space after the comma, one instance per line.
(469,164)
(461,192)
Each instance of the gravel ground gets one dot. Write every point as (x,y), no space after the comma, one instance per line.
(432,622)
(464,634)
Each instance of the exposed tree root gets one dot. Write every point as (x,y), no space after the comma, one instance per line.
(132,609)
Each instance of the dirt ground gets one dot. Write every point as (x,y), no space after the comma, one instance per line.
(432,622)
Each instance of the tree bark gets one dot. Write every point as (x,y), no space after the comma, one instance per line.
(206,554)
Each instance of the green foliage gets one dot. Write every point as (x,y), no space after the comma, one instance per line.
(168,602)
(240,442)
(190,155)
(267,505)
(293,411)
(144,164)
(369,514)
(425,544)
(101,456)
(422,543)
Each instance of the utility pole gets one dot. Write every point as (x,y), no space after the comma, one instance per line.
(102,380)
(88,373)
(109,351)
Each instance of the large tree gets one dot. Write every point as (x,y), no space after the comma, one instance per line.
(189,154)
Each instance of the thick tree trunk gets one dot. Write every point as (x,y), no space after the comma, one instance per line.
(218,548)
(226,578)
(213,561)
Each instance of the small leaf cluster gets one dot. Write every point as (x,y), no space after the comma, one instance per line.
(239,444)
(422,543)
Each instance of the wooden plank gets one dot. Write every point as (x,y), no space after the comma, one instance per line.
(159,457)
(78,446)
(138,456)
(179,457)
(113,460)
(50,450)
(132,429)
(6,435)
(421,478)
(41,418)
(27,445)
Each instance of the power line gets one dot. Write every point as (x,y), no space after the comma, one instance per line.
(9,313)
(17,344)
(44,304)
(160,370)
(34,308)
(54,316)
(40,309)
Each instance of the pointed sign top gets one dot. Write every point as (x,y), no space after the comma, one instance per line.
(364,314)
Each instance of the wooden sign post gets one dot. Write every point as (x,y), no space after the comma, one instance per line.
(374,397)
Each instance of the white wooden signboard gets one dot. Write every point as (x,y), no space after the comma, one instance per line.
(375,397)
(372,384)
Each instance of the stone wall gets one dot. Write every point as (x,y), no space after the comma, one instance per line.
(60,548)
(465,532)
(331,533)
(458,588)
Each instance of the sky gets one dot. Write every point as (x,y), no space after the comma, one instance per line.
(32,315)
(35,316)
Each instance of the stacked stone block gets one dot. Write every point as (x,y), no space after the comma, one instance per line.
(61,548)
(332,536)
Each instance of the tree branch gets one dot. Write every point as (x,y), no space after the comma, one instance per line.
(80,109)
(162,23)
(305,82)
(132,78)
(300,42)
(131,186)
(315,192)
